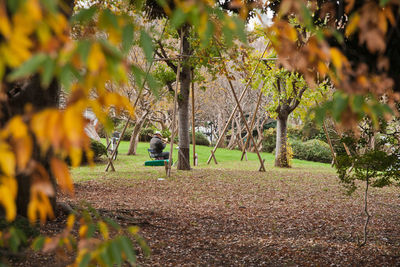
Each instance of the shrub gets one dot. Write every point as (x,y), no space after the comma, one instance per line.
(269,142)
(200,138)
(294,133)
(312,150)
(146,134)
(128,132)
(98,149)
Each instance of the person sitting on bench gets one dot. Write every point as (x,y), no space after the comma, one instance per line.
(157,145)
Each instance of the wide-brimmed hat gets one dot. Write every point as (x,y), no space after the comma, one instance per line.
(157,132)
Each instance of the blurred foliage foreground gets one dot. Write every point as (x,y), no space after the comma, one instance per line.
(39,54)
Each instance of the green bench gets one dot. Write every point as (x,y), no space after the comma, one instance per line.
(156,162)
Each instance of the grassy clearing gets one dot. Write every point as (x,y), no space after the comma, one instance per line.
(133,166)
(232,215)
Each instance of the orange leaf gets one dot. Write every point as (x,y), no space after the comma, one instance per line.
(353,24)
(61,172)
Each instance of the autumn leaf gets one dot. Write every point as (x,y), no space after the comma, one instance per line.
(61,172)
(7,159)
(8,193)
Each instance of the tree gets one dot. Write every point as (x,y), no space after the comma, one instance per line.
(287,90)
(374,160)
(185,32)
(353,43)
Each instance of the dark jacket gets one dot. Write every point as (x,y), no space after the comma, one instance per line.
(157,145)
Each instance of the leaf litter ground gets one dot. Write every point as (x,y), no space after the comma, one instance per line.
(220,217)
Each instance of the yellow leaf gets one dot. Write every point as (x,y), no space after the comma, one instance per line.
(7,160)
(58,23)
(352,25)
(17,128)
(74,124)
(32,211)
(70,221)
(8,191)
(39,125)
(43,33)
(203,23)
(103,230)
(336,57)
(133,230)
(96,59)
(23,149)
(382,22)
(291,33)
(322,68)
(389,14)
(22,143)
(5,26)
(34,10)
(75,155)
(61,172)
(39,203)
(53,130)
(9,58)
(83,231)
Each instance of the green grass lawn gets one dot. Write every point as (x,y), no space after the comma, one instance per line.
(133,166)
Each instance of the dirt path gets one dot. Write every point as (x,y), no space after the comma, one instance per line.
(235,218)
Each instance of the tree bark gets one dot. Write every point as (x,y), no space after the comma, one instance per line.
(135,134)
(281,159)
(183,104)
(19,95)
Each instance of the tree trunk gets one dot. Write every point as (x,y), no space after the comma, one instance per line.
(220,124)
(135,134)
(29,92)
(232,140)
(183,104)
(281,159)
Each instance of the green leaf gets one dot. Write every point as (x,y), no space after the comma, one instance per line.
(14,240)
(106,257)
(116,249)
(13,5)
(206,38)
(358,102)
(84,49)
(51,5)
(228,36)
(38,243)
(127,37)
(127,247)
(307,17)
(91,230)
(194,17)
(240,29)
(383,2)
(48,71)
(83,16)
(147,45)
(107,18)
(66,77)
(111,50)
(339,104)
(154,86)
(85,260)
(138,73)
(29,67)
(112,223)
(178,18)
